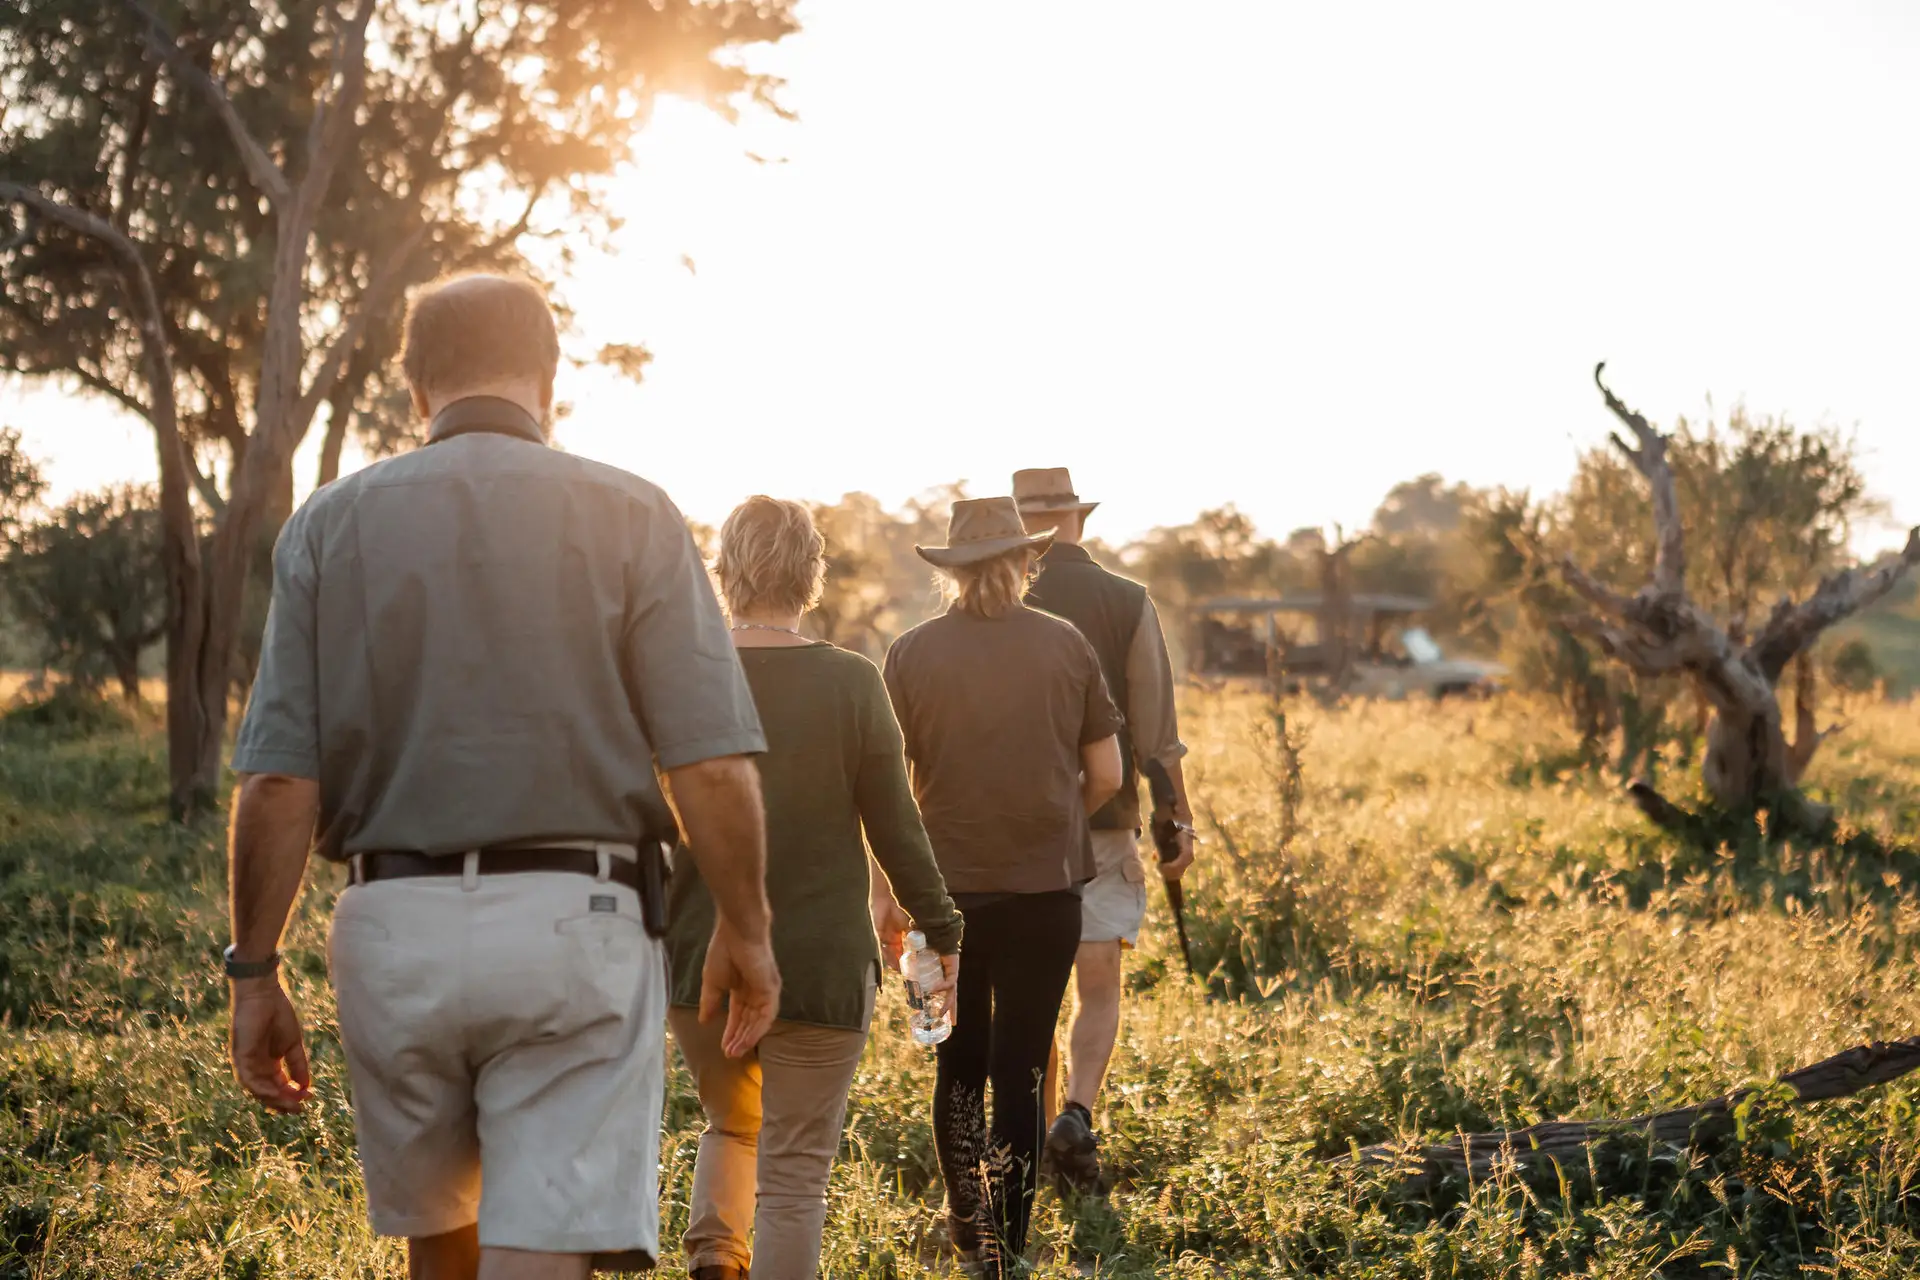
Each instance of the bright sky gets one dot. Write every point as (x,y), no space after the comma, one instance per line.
(1273,253)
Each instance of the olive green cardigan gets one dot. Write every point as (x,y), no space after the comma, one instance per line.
(834,767)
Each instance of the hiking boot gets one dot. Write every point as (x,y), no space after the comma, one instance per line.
(969,1249)
(1072,1153)
(717,1271)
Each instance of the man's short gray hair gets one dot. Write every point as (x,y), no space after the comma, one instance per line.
(474,330)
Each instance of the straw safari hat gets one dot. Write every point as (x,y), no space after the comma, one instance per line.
(980,529)
(1043,489)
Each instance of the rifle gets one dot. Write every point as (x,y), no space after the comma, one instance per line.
(1166,839)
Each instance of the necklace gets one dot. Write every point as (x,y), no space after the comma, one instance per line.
(761,626)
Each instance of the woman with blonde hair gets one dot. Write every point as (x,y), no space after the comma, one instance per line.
(1011,738)
(833,770)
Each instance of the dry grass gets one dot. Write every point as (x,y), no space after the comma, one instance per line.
(1468,929)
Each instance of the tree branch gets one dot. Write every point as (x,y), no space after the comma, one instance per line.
(1807,735)
(1646,657)
(1791,628)
(125,399)
(484,252)
(204,486)
(29,225)
(1650,459)
(1664,813)
(265,173)
(136,140)
(373,300)
(332,127)
(1590,589)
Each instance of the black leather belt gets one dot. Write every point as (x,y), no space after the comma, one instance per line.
(396,865)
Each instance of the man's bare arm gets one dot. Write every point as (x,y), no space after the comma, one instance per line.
(1102,773)
(725,822)
(269,837)
(268,841)
(720,810)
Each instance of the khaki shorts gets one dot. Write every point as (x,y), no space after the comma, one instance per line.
(505,1045)
(1114,903)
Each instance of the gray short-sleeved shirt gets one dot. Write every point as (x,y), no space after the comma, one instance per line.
(488,641)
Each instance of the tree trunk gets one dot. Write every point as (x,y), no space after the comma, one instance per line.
(180,535)
(339,410)
(1547,1150)
(1336,612)
(1746,757)
(267,472)
(126,670)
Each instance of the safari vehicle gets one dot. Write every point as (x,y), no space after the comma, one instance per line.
(1365,645)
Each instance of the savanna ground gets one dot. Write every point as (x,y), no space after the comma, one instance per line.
(1467,929)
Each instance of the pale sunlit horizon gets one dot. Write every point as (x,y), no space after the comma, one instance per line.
(1269,254)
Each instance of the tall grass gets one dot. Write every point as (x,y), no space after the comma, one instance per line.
(1439,920)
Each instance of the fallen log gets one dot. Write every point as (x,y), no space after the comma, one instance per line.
(1563,1143)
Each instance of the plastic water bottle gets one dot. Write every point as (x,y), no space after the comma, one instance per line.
(921,969)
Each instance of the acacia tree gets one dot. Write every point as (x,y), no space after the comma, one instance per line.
(219,207)
(1660,630)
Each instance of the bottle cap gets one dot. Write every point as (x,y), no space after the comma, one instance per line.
(916,940)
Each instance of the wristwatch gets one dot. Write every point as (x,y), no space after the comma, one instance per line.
(249,968)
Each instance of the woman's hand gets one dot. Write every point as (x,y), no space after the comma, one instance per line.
(948,988)
(890,925)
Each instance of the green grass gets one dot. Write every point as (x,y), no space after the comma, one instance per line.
(1892,631)
(1469,929)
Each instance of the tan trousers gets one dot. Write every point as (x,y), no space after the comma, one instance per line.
(773,1126)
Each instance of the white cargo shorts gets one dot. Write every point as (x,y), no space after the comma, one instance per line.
(505,1046)
(1114,903)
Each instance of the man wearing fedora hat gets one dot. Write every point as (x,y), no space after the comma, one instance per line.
(1118,618)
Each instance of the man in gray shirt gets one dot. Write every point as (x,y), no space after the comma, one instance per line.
(476,657)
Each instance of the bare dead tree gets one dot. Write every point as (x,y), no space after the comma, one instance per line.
(1750,763)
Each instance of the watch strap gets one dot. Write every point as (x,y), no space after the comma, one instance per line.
(249,968)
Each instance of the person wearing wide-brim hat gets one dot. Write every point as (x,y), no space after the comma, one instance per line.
(1012,741)
(1119,620)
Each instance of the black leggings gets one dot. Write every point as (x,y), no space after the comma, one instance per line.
(1014,963)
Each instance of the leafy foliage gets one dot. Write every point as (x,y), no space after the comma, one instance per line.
(487,133)
(86,582)
(219,208)
(21,484)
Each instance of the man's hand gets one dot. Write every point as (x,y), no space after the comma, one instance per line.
(720,810)
(890,925)
(1172,871)
(744,975)
(272,827)
(269,1053)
